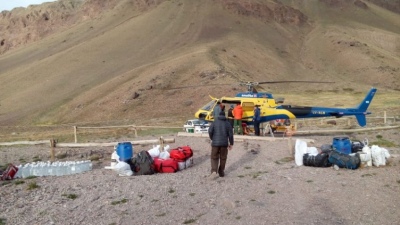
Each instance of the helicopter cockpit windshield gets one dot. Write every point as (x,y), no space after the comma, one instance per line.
(209,106)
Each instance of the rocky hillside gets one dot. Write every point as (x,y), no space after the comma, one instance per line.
(75,61)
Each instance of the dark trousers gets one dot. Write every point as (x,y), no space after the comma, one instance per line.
(257,128)
(218,156)
(231,122)
(238,126)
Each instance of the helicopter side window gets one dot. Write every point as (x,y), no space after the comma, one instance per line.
(248,106)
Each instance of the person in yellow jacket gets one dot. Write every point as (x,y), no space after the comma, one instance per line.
(237,116)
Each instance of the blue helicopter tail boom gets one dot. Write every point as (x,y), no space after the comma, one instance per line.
(363,106)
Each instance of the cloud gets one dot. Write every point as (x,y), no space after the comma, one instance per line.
(10,4)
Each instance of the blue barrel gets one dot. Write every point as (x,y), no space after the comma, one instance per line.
(342,144)
(124,151)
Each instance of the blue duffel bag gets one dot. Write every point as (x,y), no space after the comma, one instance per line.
(344,160)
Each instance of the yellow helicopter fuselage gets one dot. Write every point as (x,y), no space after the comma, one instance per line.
(270,110)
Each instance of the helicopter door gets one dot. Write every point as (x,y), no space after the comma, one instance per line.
(248,110)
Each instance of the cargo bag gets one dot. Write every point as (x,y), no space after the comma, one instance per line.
(344,160)
(320,160)
(356,146)
(185,164)
(181,154)
(165,165)
(142,163)
(9,173)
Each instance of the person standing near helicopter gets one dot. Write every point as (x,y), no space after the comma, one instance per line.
(257,120)
(216,111)
(238,115)
(230,115)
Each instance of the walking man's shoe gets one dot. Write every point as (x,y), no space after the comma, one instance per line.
(213,176)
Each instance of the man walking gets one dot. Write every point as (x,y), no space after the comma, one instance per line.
(221,135)
(257,120)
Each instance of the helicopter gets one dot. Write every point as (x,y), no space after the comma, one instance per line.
(270,110)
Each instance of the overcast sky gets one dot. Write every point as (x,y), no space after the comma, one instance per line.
(10,4)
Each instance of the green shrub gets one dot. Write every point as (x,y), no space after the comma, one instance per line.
(70,196)
(32,186)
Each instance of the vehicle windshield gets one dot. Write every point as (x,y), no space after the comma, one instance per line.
(196,122)
(199,122)
(209,106)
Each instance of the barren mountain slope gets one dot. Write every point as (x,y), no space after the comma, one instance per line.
(120,60)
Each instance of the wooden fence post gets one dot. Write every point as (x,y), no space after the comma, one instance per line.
(161,144)
(290,146)
(75,135)
(135,130)
(52,146)
(384,117)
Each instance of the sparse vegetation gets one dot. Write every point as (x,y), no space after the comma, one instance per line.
(32,185)
(366,175)
(382,142)
(286,159)
(3,167)
(94,157)
(348,89)
(4,183)
(192,194)
(189,221)
(70,196)
(119,202)
(161,214)
(3,221)
(271,192)
(310,181)
(36,158)
(61,156)
(171,191)
(18,182)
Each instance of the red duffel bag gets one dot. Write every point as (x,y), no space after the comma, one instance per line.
(9,173)
(165,165)
(181,154)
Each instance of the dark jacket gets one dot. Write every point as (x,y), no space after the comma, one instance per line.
(257,115)
(221,132)
(230,113)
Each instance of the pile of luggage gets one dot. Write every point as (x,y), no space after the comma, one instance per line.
(342,153)
(156,160)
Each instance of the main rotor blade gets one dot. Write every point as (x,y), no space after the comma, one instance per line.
(293,81)
(194,86)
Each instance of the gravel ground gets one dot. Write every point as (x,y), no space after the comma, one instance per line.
(262,186)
